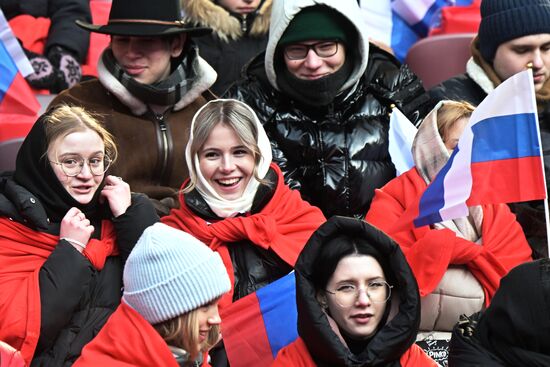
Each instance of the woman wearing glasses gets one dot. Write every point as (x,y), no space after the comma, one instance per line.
(347,278)
(66,229)
(323,94)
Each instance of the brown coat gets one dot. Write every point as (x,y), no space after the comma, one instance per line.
(136,138)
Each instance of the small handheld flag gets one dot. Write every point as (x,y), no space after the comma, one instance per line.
(401,136)
(498,158)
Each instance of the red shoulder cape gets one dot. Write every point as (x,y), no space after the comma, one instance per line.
(127,339)
(22,253)
(431,251)
(296,354)
(284,225)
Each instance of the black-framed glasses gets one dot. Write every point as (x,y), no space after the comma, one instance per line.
(299,51)
(72,166)
(378,291)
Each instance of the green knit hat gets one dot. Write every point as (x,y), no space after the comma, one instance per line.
(318,22)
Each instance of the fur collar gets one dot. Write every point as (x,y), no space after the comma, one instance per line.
(206,76)
(225,26)
(479,76)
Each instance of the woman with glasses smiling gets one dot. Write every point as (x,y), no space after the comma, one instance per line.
(324,93)
(347,277)
(66,228)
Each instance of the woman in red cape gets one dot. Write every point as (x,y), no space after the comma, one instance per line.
(65,229)
(486,244)
(169,311)
(236,201)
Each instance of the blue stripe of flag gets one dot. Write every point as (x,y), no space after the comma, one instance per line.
(278,307)
(8,71)
(505,137)
(423,27)
(433,198)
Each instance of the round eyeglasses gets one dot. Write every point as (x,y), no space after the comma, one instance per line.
(322,49)
(72,166)
(346,295)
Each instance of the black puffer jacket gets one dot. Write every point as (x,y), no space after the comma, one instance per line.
(62,13)
(336,155)
(473,86)
(76,299)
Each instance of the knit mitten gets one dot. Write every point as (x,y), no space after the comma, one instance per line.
(67,64)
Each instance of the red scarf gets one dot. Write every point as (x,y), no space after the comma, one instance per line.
(127,339)
(431,251)
(23,251)
(296,354)
(284,225)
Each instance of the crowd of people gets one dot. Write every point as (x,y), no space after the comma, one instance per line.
(228,143)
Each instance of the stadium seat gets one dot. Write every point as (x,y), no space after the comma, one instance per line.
(438,58)
(8,153)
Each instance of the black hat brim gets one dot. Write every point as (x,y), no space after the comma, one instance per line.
(143,29)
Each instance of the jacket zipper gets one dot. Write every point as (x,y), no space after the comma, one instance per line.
(163,147)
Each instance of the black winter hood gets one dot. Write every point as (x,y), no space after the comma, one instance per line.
(392,340)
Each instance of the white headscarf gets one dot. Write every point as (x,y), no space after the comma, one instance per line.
(222,207)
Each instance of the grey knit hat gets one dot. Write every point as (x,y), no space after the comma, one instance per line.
(505,20)
(169,273)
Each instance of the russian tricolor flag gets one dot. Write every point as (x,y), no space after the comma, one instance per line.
(257,326)
(18,104)
(498,158)
(400,23)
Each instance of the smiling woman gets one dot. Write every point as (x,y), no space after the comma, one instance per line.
(65,229)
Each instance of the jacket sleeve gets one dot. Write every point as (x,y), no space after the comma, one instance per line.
(63,30)
(62,279)
(130,225)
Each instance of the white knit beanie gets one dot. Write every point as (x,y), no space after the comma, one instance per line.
(169,273)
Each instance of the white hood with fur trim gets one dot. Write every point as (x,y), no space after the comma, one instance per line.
(284,11)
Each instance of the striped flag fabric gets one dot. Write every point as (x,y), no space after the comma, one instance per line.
(498,158)
(257,326)
(400,23)
(18,104)
(401,136)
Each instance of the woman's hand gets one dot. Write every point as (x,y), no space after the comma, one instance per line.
(117,194)
(76,229)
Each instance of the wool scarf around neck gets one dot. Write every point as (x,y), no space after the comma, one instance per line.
(166,92)
(318,92)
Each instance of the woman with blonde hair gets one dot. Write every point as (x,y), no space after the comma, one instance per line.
(236,200)
(458,263)
(169,311)
(66,228)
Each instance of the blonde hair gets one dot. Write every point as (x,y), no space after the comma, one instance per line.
(449,113)
(233,114)
(64,120)
(183,332)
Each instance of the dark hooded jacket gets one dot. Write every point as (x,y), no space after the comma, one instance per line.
(76,299)
(393,340)
(336,154)
(513,331)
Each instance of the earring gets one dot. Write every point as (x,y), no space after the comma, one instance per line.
(529,65)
